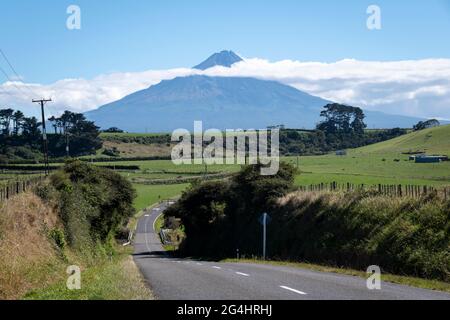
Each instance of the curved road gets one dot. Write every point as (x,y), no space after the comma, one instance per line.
(184,279)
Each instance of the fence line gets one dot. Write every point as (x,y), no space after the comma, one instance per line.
(414,191)
(14,188)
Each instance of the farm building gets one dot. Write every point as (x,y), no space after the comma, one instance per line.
(430,159)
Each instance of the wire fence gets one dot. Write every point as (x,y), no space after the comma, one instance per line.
(13,188)
(414,191)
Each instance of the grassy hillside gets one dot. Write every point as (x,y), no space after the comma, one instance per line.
(431,141)
(383,162)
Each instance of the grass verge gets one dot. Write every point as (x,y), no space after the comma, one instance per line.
(403,280)
(116,279)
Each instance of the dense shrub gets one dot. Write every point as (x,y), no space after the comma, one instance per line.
(217,215)
(93,202)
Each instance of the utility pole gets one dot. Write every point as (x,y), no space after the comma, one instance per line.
(42,102)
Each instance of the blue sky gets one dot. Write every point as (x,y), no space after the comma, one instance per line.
(138,35)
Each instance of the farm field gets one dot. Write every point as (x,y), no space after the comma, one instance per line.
(381,163)
(370,170)
(106,135)
(149,195)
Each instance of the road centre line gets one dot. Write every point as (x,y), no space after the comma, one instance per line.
(293,290)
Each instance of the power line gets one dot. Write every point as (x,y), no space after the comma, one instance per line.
(15,72)
(9,63)
(12,82)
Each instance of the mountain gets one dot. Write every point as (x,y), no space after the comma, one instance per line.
(224,59)
(222,103)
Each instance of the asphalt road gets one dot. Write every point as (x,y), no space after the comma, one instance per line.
(184,279)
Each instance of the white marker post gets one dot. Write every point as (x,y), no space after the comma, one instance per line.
(264,235)
(264,220)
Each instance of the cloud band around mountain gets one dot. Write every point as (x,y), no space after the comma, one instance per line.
(418,88)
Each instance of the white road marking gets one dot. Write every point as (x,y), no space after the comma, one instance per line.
(293,290)
(147,215)
(219,268)
(199,264)
(243,274)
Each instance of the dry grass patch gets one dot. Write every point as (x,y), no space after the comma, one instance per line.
(139,150)
(26,253)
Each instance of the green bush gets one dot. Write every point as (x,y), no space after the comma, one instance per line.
(94,203)
(57,235)
(217,214)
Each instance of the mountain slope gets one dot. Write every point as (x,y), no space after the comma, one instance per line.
(222,103)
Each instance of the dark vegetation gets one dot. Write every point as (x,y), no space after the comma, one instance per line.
(93,203)
(113,130)
(422,125)
(21,137)
(352,229)
(343,127)
(294,142)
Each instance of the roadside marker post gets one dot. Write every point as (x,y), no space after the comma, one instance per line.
(264,220)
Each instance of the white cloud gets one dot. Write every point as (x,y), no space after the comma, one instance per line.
(413,87)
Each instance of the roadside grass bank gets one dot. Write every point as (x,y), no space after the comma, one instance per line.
(115,278)
(34,267)
(397,279)
(75,218)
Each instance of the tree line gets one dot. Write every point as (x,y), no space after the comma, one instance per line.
(343,127)
(21,136)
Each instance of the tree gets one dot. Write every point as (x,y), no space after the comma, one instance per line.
(18,118)
(358,124)
(342,118)
(426,124)
(54,123)
(5,120)
(75,131)
(31,132)
(113,130)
